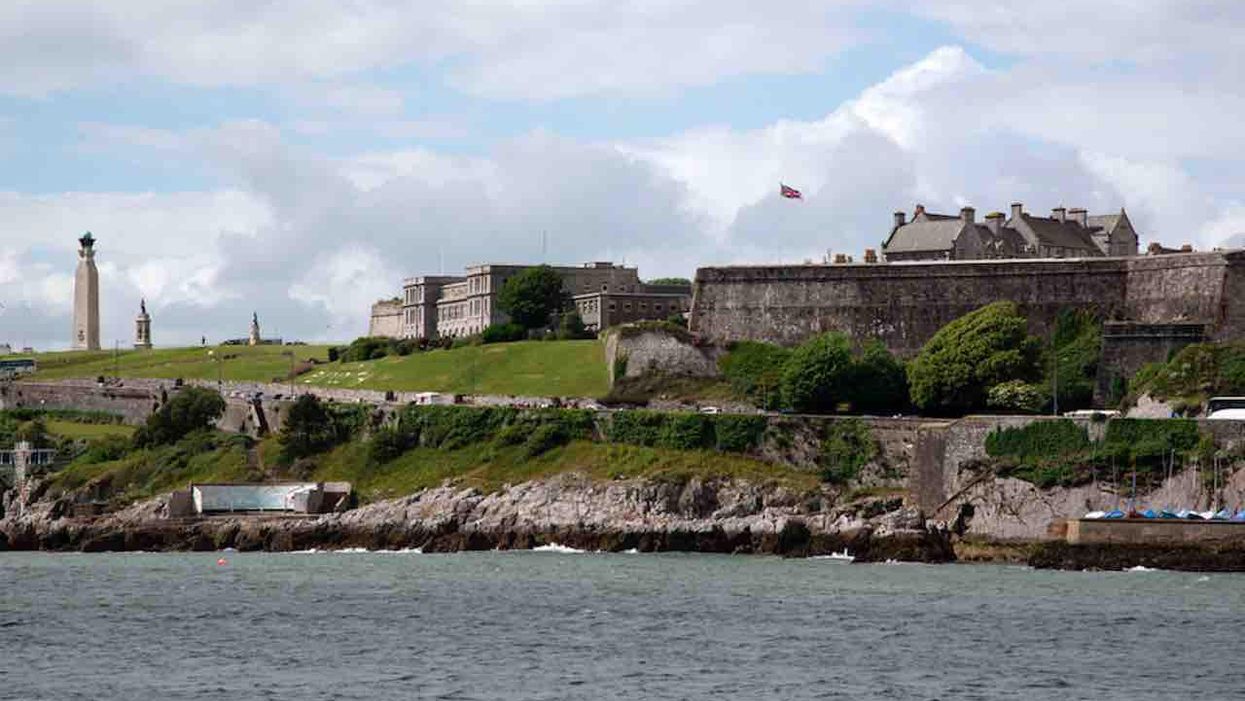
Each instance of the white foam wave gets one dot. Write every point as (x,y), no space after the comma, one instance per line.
(556,548)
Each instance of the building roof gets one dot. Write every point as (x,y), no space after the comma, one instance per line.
(1055,233)
(933,233)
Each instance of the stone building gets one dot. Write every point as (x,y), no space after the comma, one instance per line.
(456,306)
(86,297)
(1065,234)
(142,327)
(601,310)
(386,318)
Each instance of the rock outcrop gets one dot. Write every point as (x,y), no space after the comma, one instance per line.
(719,516)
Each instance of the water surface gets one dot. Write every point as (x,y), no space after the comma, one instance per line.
(595,626)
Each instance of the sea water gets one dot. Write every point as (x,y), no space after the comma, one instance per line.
(567,625)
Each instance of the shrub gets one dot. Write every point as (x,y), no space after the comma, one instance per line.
(816,377)
(685,432)
(572,326)
(981,349)
(754,371)
(878,383)
(308,429)
(190,409)
(503,333)
(1077,344)
(738,434)
(634,427)
(846,447)
(1016,395)
(546,437)
(367,348)
(1038,440)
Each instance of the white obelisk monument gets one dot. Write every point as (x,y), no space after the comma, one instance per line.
(86,297)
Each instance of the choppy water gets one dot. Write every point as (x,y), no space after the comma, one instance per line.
(584,626)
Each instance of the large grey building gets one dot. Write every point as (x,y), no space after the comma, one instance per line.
(1066,233)
(455,306)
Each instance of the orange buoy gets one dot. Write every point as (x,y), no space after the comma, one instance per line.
(222,561)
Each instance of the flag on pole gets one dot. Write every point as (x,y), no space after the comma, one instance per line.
(789,192)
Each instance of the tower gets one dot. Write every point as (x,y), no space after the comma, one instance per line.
(254,338)
(86,297)
(142,326)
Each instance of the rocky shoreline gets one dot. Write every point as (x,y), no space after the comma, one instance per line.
(720,516)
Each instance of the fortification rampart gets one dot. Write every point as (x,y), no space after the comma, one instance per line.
(903,304)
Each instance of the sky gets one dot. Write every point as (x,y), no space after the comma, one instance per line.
(299,159)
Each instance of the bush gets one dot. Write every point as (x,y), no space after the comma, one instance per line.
(309,429)
(572,327)
(738,434)
(190,409)
(685,432)
(1077,342)
(846,447)
(546,437)
(1016,395)
(957,366)
(634,427)
(878,383)
(1038,440)
(817,375)
(503,333)
(754,371)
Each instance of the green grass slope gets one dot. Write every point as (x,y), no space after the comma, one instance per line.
(237,363)
(529,368)
(525,368)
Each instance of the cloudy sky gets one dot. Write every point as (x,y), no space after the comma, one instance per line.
(300,159)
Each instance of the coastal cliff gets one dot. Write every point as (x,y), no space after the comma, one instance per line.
(719,516)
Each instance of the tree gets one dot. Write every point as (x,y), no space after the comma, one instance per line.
(191,409)
(532,297)
(956,368)
(817,375)
(309,429)
(879,384)
(670,281)
(754,370)
(572,326)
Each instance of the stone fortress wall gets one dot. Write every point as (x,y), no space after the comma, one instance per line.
(904,304)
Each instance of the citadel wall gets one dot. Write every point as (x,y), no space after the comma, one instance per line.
(903,304)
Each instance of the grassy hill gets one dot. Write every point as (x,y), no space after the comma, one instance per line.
(238,363)
(526,368)
(540,368)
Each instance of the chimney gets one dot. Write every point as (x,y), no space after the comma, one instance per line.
(968,215)
(840,258)
(1017,210)
(900,219)
(1059,214)
(1154,249)
(871,255)
(1080,216)
(918,210)
(1186,248)
(994,220)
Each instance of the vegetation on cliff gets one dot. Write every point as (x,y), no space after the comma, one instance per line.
(1193,375)
(1060,453)
(958,366)
(230,363)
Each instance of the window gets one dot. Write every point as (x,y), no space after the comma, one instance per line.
(643,306)
(612,306)
(657,307)
(627,307)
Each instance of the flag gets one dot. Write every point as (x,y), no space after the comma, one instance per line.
(789,192)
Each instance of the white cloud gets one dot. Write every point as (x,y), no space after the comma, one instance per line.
(529,49)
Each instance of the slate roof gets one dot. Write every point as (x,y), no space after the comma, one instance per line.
(1052,232)
(937,233)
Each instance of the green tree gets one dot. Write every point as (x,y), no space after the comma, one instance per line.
(532,297)
(817,375)
(572,326)
(754,370)
(956,368)
(670,281)
(190,409)
(309,429)
(879,383)
(1077,345)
